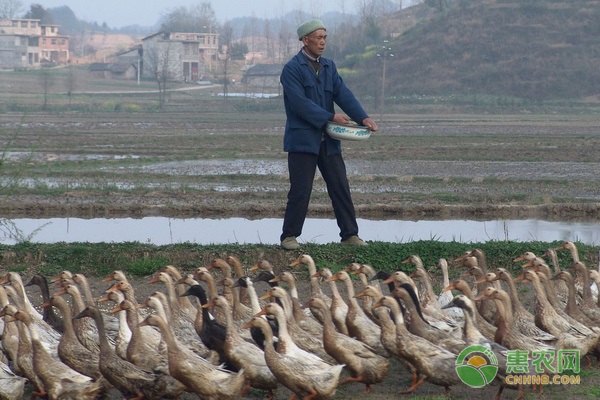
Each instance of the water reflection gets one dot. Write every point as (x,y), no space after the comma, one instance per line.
(162,230)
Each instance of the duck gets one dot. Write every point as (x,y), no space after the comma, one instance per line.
(211,332)
(359,325)
(471,263)
(125,376)
(180,287)
(547,318)
(244,355)
(433,363)
(364,273)
(221,266)
(255,333)
(198,375)
(364,365)
(473,336)
(485,327)
(587,304)
(507,333)
(23,355)
(48,335)
(450,340)
(237,266)
(595,277)
(9,340)
(315,287)
(138,351)
(123,335)
(209,280)
(389,339)
(241,312)
(179,314)
(338,307)
(186,334)
(428,301)
(60,382)
(13,385)
(572,308)
(444,297)
(308,380)
(572,248)
(399,278)
(70,350)
(305,320)
(560,286)
(85,329)
(48,314)
(523,319)
(546,279)
(305,340)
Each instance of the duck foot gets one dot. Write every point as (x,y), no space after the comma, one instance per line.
(414,386)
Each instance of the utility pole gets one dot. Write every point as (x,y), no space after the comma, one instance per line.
(385,53)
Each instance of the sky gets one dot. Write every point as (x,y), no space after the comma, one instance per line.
(119,13)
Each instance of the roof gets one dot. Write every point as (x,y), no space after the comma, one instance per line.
(99,66)
(121,67)
(264,70)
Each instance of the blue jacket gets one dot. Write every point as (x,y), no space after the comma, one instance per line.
(309,103)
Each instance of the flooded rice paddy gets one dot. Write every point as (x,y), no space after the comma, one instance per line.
(203,231)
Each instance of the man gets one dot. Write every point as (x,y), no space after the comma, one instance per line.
(311,86)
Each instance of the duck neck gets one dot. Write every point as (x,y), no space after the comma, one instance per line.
(471,332)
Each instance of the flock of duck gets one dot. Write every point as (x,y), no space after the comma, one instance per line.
(223,329)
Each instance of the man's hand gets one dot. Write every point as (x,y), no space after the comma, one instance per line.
(369,123)
(341,119)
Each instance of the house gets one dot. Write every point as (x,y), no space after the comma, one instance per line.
(178,56)
(19,43)
(124,71)
(262,75)
(54,47)
(26,43)
(100,70)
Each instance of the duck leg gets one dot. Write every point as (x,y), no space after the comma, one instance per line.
(312,395)
(415,386)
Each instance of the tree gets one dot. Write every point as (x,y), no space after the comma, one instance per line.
(439,5)
(71,82)
(160,63)
(238,51)
(47,80)
(10,8)
(198,18)
(226,41)
(37,11)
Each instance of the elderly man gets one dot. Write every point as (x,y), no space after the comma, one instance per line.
(311,87)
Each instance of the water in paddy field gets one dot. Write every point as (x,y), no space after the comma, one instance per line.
(163,230)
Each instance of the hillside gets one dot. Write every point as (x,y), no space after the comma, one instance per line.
(544,49)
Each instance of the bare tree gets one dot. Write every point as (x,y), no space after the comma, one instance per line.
(71,82)
(227,38)
(47,80)
(10,8)
(284,39)
(160,62)
(268,35)
(197,18)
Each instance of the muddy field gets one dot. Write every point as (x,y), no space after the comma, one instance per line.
(117,165)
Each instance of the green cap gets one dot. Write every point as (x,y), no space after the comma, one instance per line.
(308,27)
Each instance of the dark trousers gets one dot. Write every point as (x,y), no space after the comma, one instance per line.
(302,168)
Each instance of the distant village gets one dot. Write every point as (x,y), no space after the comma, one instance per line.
(174,56)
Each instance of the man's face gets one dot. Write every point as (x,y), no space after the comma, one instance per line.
(314,44)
